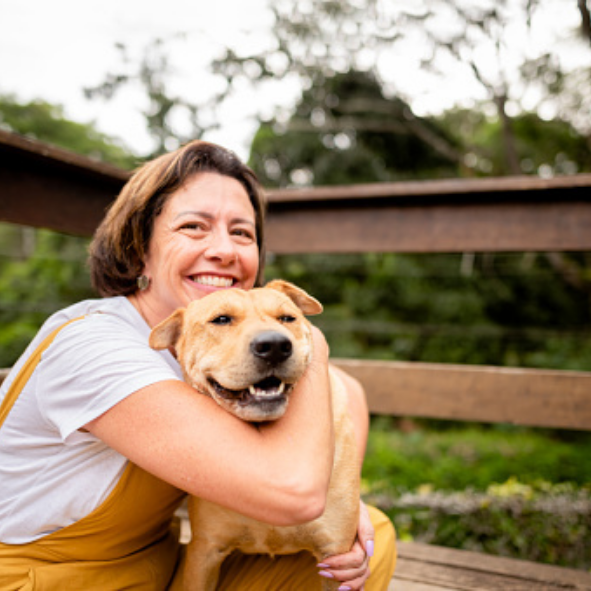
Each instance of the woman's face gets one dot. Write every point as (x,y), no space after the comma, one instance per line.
(203,240)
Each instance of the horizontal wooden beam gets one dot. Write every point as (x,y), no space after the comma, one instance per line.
(530,397)
(541,398)
(461,215)
(44,186)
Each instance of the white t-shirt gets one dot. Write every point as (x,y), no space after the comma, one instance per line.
(52,474)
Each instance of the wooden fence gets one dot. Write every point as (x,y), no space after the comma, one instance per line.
(44,186)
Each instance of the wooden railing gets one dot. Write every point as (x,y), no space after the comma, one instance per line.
(48,187)
(44,186)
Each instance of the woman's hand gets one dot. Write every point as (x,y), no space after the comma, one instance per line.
(351,570)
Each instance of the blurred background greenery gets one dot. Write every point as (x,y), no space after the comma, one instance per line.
(501,489)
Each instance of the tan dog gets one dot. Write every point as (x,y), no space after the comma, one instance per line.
(246,349)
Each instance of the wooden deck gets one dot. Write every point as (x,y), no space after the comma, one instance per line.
(422,567)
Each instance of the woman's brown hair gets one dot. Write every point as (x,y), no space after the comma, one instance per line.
(121,241)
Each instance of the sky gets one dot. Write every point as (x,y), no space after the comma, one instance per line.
(52,49)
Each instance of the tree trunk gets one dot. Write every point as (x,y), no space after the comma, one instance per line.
(585,19)
(511,157)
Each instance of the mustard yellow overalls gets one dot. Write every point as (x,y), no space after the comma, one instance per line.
(131,542)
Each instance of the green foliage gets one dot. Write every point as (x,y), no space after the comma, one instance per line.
(503,490)
(49,274)
(551,528)
(502,309)
(472,458)
(543,147)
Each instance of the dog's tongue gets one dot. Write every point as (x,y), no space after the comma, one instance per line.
(268,387)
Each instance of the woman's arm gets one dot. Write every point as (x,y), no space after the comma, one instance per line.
(276,472)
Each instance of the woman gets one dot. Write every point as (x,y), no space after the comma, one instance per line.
(100,439)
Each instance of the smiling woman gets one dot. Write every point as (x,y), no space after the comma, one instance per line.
(121,242)
(102,439)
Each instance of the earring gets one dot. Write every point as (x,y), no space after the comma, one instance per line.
(143,282)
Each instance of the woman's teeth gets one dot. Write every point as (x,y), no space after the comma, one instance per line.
(213,281)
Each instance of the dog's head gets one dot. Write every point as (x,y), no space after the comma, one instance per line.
(245,349)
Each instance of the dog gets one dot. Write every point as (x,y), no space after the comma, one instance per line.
(246,350)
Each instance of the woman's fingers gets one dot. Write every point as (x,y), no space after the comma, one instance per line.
(350,569)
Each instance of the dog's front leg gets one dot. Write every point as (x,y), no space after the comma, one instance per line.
(202,566)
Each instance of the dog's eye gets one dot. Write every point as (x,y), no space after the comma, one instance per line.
(222,319)
(287,319)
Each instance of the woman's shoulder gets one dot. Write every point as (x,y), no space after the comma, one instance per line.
(109,310)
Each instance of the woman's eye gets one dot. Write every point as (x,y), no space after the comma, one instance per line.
(286,319)
(242,233)
(221,320)
(193,226)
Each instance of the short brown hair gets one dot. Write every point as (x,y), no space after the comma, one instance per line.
(121,241)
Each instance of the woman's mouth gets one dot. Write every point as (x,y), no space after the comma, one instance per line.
(213,280)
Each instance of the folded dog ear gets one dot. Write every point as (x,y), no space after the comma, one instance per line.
(306,303)
(167,333)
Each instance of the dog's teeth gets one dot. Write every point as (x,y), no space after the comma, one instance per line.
(261,392)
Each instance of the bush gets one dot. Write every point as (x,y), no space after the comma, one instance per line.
(457,487)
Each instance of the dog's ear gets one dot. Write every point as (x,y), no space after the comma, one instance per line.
(306,303)
(167,333)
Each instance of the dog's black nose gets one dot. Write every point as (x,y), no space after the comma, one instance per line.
(271,346)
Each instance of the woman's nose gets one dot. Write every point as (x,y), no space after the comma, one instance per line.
(222,248)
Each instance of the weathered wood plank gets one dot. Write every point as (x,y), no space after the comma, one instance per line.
(430,227)
(537,398)
(542,398)
(432,188)
(448,568)
(406,585)
(47,187)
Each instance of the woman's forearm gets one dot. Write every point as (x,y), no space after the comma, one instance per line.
(276,472)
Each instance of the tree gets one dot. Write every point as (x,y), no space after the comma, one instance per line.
(502,309)
(343,129)
(152,74)
(543,148)
(469,43)
(46,122)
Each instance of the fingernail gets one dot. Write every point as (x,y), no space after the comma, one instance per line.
(369,548)
(323,573)
(344,588)
(322,565)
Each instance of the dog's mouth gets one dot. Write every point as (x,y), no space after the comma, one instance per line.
(271,389)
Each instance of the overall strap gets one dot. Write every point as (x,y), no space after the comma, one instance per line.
(27,370)
(127,542)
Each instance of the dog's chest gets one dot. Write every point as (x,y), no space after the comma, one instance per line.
(227,529)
